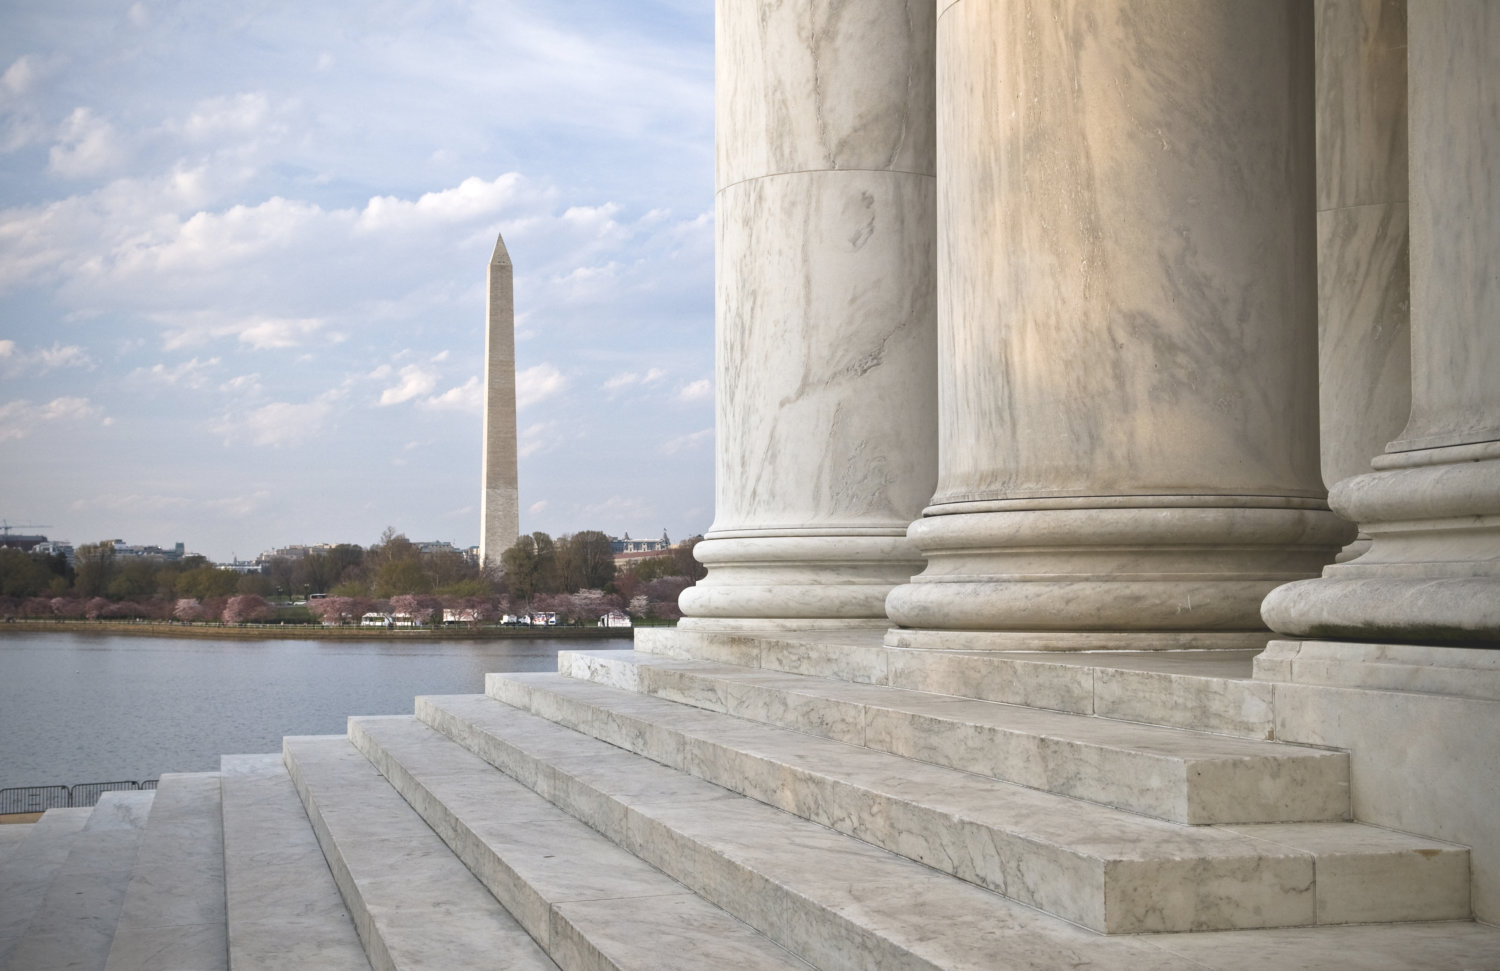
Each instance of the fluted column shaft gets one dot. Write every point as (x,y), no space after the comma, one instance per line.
(1432,505)
(826,419)
(1127,326)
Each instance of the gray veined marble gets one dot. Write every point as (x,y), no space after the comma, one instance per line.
(1126,327)
(826,428)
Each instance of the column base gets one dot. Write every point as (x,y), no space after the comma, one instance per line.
(1110,573)
(781,581)
(990,640)
(1432,572)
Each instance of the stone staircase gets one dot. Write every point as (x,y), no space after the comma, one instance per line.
(716,801)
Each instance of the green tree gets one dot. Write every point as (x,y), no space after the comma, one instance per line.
(401,577)
(94,568)
(205,583)
(133,579)
(592,560)
(21,574)
(522,568)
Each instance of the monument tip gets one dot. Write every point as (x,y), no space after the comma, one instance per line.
(501,255)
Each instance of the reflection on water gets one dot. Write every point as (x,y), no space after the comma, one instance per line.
(93,708)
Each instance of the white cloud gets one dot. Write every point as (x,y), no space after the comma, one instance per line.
(14,360)
(240,114)
(278,423)
(472,200)
(244,384)
(540,506)
(87,145)
(188,374)
(468,397)
(239,507)
(629,378)
(684,442)
(696,391)
(415,381)
(260,333)
(20,418)
(536,438)
(537,384)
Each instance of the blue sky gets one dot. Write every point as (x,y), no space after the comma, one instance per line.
(242,260)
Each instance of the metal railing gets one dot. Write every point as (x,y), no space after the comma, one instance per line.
(36,799)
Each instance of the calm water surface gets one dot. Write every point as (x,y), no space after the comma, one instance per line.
(96,707)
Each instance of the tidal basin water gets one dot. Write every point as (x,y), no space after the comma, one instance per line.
(100,708)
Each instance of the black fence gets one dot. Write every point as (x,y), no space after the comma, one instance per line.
(36,799)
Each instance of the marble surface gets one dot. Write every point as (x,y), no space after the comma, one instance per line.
(26,872)
(1127,273)
(840,903)
(1421,763)
(1364,289)
(810,85)
(1094,865)
(1170,774)
(415,904)
(500,506)
(826,430)
(1210,691)
(74,921)
(580,896)
(283,909)
(826,435)
(173,917)
(1127,309)
(1454,58)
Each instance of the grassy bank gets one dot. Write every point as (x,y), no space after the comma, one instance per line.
(313,631)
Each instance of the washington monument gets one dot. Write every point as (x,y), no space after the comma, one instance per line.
(501,517)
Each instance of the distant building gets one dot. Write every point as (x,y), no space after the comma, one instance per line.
(55,548)
(20,542)
(124,549)
(628,545)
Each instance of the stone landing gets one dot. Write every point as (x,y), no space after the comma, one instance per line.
(812,801)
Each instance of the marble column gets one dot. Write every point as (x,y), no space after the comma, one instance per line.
(1127,327)
(1364,352)
(500,516)
(826,421)
(1432,505)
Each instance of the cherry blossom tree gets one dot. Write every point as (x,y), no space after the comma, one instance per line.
(95,608)
(188,609)
(247,607)
(67,607)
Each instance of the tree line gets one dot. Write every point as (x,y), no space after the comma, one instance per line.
(572,575)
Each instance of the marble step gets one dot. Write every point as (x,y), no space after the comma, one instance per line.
(173,915)
(74,922)
(28,869)
(282,906)
(589,903)
(13,835)
(837,902)
(1108,870)
(1187,777)
(415,905)
(1206,691)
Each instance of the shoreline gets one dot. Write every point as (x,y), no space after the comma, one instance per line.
(312,631)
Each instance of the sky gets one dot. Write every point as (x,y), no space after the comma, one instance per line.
(242,266)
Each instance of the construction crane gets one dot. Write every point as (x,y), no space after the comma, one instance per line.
(6,527)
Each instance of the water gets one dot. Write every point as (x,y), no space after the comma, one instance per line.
(97,707)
